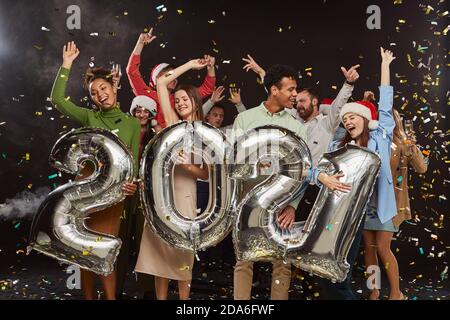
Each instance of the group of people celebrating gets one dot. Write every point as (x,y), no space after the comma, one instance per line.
(324,125)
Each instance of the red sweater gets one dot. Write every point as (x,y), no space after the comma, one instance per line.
(141,88)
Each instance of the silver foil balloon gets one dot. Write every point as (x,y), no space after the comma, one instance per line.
(208,145)
(58,229)
(264,191)
(331,227)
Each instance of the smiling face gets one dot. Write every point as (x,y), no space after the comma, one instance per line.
(354,124)
(103,94)
(183,105)
(305,105)
(142,115)
(286,93)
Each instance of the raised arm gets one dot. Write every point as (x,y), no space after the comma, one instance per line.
(235,98)
(135,78)
(215,98)
(58,95)
(163,93)
(387,57)
(386,119)
(351,76)
(209,83)
(252,65)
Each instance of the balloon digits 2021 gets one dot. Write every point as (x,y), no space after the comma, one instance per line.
(58,229)
(250,183)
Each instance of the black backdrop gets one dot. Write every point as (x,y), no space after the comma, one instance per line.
(322,35)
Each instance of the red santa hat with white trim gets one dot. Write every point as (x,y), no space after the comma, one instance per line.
(364,109)
(146,103)
(155,72)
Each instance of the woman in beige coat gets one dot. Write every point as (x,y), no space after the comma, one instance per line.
(404,153)
(155,256)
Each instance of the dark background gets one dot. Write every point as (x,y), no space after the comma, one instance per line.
(322,35)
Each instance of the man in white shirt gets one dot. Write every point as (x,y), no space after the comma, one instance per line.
(320,128)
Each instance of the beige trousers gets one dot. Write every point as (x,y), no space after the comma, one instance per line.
(243,278)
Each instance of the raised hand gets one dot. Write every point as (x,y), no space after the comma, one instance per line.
(217,94)
(369,96)
(116,73)
(70,53)
(198,64)
(386,56)
(235,96)
(351,75)
(146,38)
(252,65)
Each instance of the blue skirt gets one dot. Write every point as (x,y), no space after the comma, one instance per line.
(373,223)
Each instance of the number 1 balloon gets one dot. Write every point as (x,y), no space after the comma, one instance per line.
(331,226)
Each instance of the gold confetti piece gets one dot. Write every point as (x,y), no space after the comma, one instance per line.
(125,13)
(409,60)
(38,113)
(280,29)
(401,21)
(185,268)
(334,87)
(179,11)
(308,69)
(27,156)
(444,32)
(38,47)
(86,253)
(316,294)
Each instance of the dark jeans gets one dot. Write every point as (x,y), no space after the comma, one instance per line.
(343,290)
(306,204)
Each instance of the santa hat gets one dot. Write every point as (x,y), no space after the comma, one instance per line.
(156,71)
(143,102)
(365,109)
(325,106)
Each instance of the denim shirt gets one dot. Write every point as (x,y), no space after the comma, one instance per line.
(380,141)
